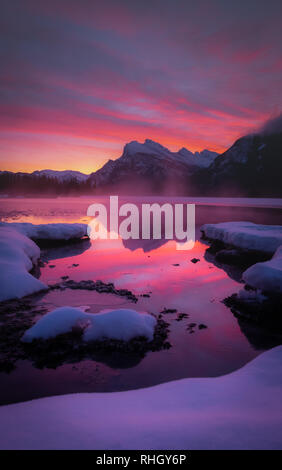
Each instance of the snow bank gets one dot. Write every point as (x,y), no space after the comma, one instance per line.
(236,411)
(266,276)
(121,324)
(246,235)
(62,231)
(18,254)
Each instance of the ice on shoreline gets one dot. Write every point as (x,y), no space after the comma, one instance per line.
(236,411)
(266,276)
(246,235)
(120,324)
(56,232)
(18,254)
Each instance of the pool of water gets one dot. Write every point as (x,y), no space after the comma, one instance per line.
(152,267)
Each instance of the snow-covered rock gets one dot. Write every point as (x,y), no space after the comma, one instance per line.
(246,235)
(18,254)
(251,296)
(121,324)
(59,321)
(266,276)
(59,231)
(237,411)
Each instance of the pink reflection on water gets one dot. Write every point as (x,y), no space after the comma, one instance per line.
(109,260)
(152,267)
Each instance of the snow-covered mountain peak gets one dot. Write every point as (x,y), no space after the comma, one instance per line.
(148,147)
(185,152)
(201,159)
(157,151)
(155,146)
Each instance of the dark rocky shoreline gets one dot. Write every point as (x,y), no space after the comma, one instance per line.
(264,309)
(265,312)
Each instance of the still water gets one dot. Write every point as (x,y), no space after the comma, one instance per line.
(152,267)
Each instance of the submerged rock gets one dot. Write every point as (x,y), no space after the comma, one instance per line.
(70,348)
(169,310)
(181,316)
(98,286)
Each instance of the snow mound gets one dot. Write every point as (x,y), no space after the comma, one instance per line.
(246,235)
(266,276)
(121,324)
(60,231)
(59,321)
(236,411)
(18,254)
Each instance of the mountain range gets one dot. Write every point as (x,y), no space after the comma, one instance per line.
(250,167)
(150,167)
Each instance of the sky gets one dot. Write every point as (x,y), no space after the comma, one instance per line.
(81,78)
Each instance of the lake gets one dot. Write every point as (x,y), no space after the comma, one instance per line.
(151,267)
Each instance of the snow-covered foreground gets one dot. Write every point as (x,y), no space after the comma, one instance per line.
(120,324)
(18,254)
(48,231)
(241,410)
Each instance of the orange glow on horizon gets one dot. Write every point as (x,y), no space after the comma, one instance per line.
(46,138)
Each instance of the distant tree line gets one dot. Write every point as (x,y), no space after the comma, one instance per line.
(17,184)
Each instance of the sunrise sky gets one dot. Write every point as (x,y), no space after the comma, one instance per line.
(79,79)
